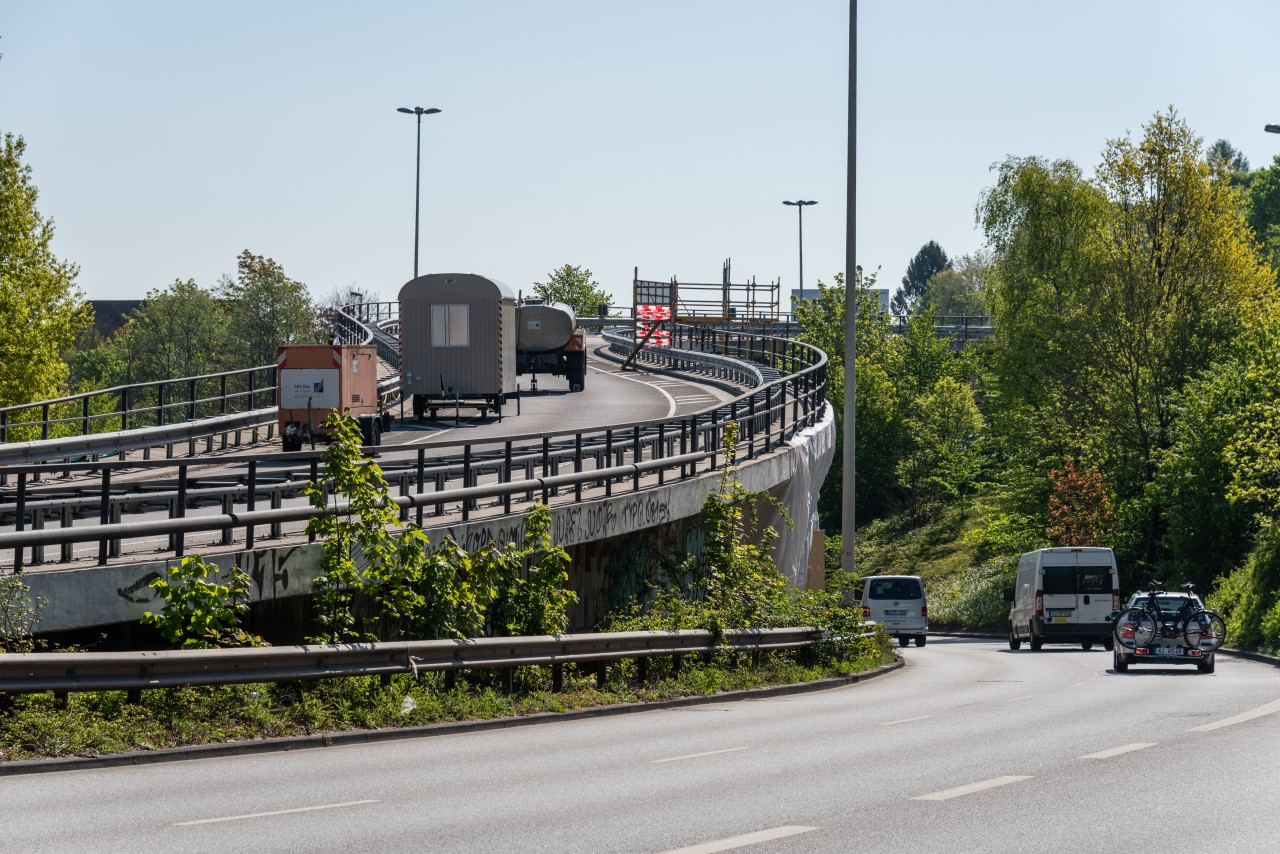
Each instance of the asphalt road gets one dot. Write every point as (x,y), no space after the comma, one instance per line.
(970,748)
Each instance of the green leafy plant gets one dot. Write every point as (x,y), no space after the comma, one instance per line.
(199,613)
(19,615)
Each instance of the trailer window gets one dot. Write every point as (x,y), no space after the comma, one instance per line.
(450,325)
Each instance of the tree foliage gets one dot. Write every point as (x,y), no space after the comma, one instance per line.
(200,613)
(265,309)
(575,287)
(178,331)
(1079,511)
(1108,296)
(41,309)
(927,263)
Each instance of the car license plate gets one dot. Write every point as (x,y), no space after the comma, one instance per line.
(1059,613)
(1167,650)
(893,613)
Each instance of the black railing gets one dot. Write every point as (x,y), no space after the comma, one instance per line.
(505,472)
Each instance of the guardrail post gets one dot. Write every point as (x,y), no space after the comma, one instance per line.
(222,395)
(251,500)
(160,406)
(19,517)
(191,400)
(689,444)
(84,423)
(577,466)
(104,514)
(66,517)
(420,481)
(506,476)
(180,510)
(608,453)
(636,455)
(4,428)
(44,428)
(315,478)
(124,408)
(276,501)
(557,678)
(662,451)
(466,480)
(751,427)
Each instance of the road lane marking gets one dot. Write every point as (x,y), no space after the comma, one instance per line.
(1268,709)
(274,812)
(947,794)
(671,409)
(742,841)
(1023,697)
(696,755)
(1116,751)
(905,720)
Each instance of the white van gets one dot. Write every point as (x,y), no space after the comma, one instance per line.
(898,604)
(1064,595)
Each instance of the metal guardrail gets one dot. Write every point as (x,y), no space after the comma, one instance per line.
(129,407)
(27,673)
(686,446)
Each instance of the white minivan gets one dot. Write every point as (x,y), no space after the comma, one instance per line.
(1064,595)
(898,604)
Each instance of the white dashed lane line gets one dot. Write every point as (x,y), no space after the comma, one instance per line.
(1116,751)
(696,755)
(906,720)
(1269,708)
(1023,697)
(734,842)
(272,812)
(948,794)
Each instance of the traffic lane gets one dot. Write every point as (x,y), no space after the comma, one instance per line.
(610,399)
(641,782)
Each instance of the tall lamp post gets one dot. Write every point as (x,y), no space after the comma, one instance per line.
(417,190)
(800,206)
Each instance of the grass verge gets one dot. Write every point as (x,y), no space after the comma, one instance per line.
(97,723)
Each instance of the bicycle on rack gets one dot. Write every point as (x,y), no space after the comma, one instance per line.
(1150,623)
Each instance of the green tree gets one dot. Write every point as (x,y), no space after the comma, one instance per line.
(1262,209)
(179,331)
(41,309)
(940,460)
(927,263)
(957,290)
(1222,154)
(575,287)
(879,418)
(1109,296)
(199,613)
(265,308)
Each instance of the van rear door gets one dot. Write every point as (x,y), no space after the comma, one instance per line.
(1094,583)
(1058,581)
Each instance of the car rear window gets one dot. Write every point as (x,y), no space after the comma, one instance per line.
(894,588)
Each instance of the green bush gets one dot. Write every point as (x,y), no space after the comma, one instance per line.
(974,598)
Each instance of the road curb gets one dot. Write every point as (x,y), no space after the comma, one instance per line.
(337,739)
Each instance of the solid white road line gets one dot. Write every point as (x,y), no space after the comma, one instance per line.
(1023,697)
(1116,751)
(905,720)
(969,789)
(273,812)
(696,755)
(742,841)
(671,410)
(1268,709)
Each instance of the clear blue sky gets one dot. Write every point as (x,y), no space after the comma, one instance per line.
(167,137)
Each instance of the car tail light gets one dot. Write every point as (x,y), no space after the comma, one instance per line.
(1115,600)
(1039,603)
(924,610)
(866,612)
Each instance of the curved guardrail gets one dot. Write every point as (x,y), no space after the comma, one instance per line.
(608,458)
(26,673)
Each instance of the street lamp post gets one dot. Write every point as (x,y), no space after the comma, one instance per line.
(417,189)
(800,206)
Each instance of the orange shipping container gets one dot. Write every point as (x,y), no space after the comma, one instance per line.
(316,379)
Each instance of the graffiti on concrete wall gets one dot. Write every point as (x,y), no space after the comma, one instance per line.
(274,572)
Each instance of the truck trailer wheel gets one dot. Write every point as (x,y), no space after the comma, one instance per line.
(576,370)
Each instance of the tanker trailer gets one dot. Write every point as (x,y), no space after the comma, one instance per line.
(548,341)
